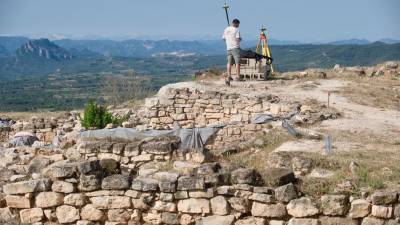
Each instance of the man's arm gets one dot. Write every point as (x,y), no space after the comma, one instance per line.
(238,36)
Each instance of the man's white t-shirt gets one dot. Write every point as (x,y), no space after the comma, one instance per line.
(231,36)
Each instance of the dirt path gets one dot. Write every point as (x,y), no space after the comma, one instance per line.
(358,120)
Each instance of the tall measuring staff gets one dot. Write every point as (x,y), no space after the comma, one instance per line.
(226,7)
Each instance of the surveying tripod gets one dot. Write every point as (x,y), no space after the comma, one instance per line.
(263,49)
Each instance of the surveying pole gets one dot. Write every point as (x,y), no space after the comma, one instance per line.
(262,47)
(226,7)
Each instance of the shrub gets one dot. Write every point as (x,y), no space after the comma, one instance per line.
(97,116)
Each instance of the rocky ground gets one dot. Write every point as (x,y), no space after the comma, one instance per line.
(252,173)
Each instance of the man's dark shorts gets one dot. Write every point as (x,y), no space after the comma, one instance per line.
(233,56)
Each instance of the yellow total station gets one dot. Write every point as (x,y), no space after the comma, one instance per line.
(262,47)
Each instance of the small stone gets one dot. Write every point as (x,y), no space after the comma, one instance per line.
(144,184)
(277,222)
(31,215)
(181,195)
(258,197)
(220,206)
(194,205)
(252,221)
(152,218)
(119,215)
(77,199)
(302,207)
(384,198)
(89,212)
(60,170)
(218,220)
(209,193)
(278,176)
(285,193)
(297,221)
(165,206)
(268,210)
(115,182)
(243,176)
(372,221)
(187,183)
(111,202)
(27,187)
(18,202)
(166,197)
(240,204)
(334,205)
(49,199)
(169,218)
(382,211)
(89,183)
(360,208)
(326,220)
(63,187)
(67,214)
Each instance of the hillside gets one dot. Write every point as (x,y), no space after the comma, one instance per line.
(72,74)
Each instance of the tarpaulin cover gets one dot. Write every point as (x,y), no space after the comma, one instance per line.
(262,118)
(190,138)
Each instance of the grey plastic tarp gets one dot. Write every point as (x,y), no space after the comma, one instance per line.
(190,138)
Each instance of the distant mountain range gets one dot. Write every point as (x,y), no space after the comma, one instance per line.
(149,48)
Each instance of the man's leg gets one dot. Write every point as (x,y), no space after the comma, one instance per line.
(238,70)
(229,69)
(237,58)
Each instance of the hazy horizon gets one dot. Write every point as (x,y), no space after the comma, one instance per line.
(310,21)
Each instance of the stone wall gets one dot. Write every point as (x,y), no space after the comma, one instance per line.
(98,192)
(188,108)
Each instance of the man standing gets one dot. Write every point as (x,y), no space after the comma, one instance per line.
(232,38)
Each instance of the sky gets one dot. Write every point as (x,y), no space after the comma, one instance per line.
(296,20)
